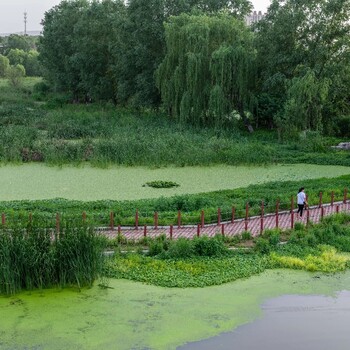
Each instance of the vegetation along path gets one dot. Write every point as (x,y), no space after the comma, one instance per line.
(255,225)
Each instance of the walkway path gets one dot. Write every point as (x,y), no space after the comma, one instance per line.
(255,225)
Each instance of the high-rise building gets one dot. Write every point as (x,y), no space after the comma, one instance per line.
(254,17)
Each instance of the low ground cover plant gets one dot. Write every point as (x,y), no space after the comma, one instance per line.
(209,261)
(161,184)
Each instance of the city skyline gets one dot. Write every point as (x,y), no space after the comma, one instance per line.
(12,13)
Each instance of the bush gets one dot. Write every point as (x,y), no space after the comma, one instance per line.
(262,246)
(205,246)
(181,248)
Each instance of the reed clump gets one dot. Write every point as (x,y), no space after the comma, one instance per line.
(36,257)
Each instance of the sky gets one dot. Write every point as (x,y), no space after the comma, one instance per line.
(12,13)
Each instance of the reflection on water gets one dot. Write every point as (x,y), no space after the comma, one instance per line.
(291,322)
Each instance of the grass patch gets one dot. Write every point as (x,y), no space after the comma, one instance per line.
(49,129)
(190,205)
(204,262)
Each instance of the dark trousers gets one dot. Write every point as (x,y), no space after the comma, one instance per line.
(300,209)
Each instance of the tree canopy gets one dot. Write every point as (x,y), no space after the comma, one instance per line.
(208,69)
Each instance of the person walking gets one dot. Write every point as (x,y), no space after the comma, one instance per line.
(301,200)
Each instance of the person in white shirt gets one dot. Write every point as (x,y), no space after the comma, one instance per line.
(301,200)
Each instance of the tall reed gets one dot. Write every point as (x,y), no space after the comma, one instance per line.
(37,257)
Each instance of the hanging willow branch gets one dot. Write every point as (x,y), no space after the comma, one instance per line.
(207,72)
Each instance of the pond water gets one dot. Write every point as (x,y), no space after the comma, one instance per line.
(290,322)
(38,181)
(129,315)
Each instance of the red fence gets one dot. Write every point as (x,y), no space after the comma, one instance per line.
(233,222)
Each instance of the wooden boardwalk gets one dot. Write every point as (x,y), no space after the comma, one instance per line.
(255,225)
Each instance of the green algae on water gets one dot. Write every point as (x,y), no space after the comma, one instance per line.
(131,315)
(38,181)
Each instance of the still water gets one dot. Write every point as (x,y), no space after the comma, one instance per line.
(291,322)
(278,309)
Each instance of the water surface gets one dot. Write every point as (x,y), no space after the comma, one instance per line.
(131,315)
(38,181)
(291,322)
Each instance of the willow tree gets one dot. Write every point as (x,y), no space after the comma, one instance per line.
(207,73)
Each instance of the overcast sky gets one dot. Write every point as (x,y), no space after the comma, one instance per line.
(12,13)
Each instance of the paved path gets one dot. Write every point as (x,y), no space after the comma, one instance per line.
(254,224)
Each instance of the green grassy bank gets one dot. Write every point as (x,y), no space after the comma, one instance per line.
(49,129)
(98,212)
(207,261)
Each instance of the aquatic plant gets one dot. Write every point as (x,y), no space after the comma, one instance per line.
(36,257)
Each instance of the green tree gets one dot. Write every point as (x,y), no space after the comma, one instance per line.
(15,75)
(32,65)
(94,35)
(16,56)
(20,42)
(304,105)
(298,41)
(208,71)
(57,45)
(142,43)
(4,65)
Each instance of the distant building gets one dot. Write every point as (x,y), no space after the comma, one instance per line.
(254,17)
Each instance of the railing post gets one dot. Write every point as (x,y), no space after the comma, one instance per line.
(246,216)
(119,229)
(322,212)
(137,219)
(337,209)
(307,216)
(111,220)
(171,231)
(219,216)
(345,195)
(156,220)
(277,212)
(179,218)
(223,229)
(262,217)
(320,202)
(202,218)
(145,231)
(198,230)
(233,215)
(57,222)
(292,212)
(332,198)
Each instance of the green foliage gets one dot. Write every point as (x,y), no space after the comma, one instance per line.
(304,75)
(36,257)
(190,205)
(194,272)
(246,236)
(206,71)
(206,261)
(4,66)
(162,184)
(182,248)
(262,246)
(273,236)
(15,75)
